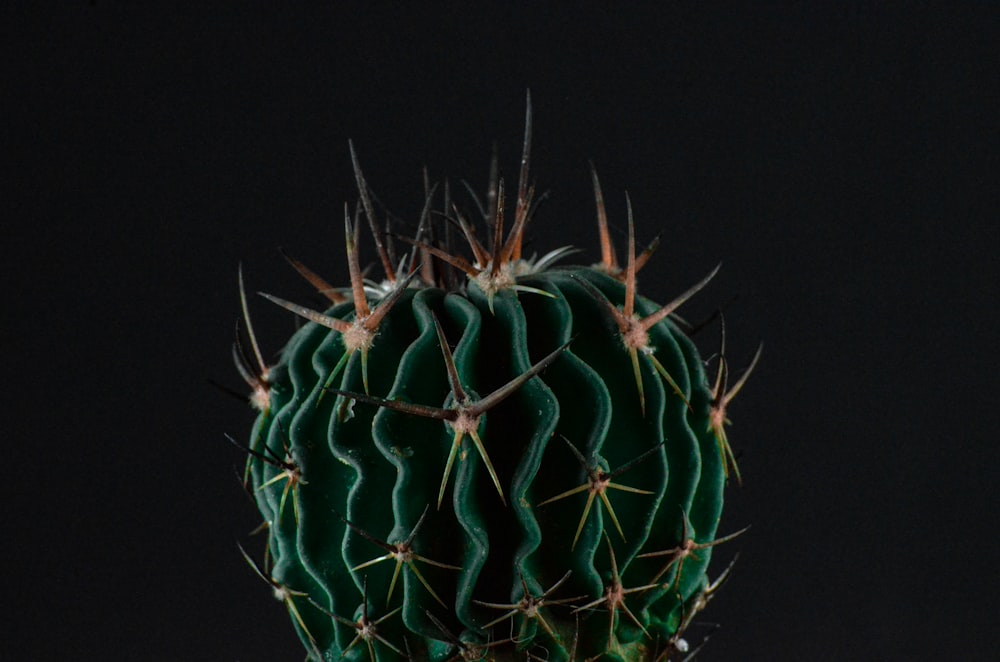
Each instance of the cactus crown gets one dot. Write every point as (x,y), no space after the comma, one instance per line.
(486,456)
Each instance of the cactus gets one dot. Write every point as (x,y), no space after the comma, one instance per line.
(487,457)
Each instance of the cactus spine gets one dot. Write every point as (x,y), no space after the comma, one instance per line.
(488,457)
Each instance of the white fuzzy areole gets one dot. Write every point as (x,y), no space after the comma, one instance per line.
(358,337)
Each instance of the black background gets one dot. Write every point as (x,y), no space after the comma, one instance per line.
(839,159)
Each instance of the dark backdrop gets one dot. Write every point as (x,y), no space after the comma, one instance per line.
(839,159)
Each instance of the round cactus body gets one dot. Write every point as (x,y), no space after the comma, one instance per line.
(524,460)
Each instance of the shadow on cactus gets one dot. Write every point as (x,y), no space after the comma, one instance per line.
(485,456)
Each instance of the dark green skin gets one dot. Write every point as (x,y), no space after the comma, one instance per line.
(380,469)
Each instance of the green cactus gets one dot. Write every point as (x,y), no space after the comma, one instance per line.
(488,456)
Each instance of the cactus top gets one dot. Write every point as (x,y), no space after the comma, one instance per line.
(486,456)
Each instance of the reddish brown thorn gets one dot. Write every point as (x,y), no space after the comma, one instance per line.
(513,250)
(309,314)
(358,335)
(522,184)
(332,294)
(351,236)
(400,406)
(633,336)
(650,321)
(616,315)
(366,201)
(391,248)
(458,262)
(457,391)
(479,252)
(629,307)
(382,308)
(497,248)
(462,424)
(491,190)
(496,397)
(426,267)
(635,331)
(448,279)
(638,334)
(647,253)
(609,261)
(427,271)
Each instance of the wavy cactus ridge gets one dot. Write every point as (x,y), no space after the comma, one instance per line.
(502,472)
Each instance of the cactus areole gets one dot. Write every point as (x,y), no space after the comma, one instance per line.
(485,456)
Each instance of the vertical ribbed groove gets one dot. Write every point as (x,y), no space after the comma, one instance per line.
(470,484)
(381,469)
